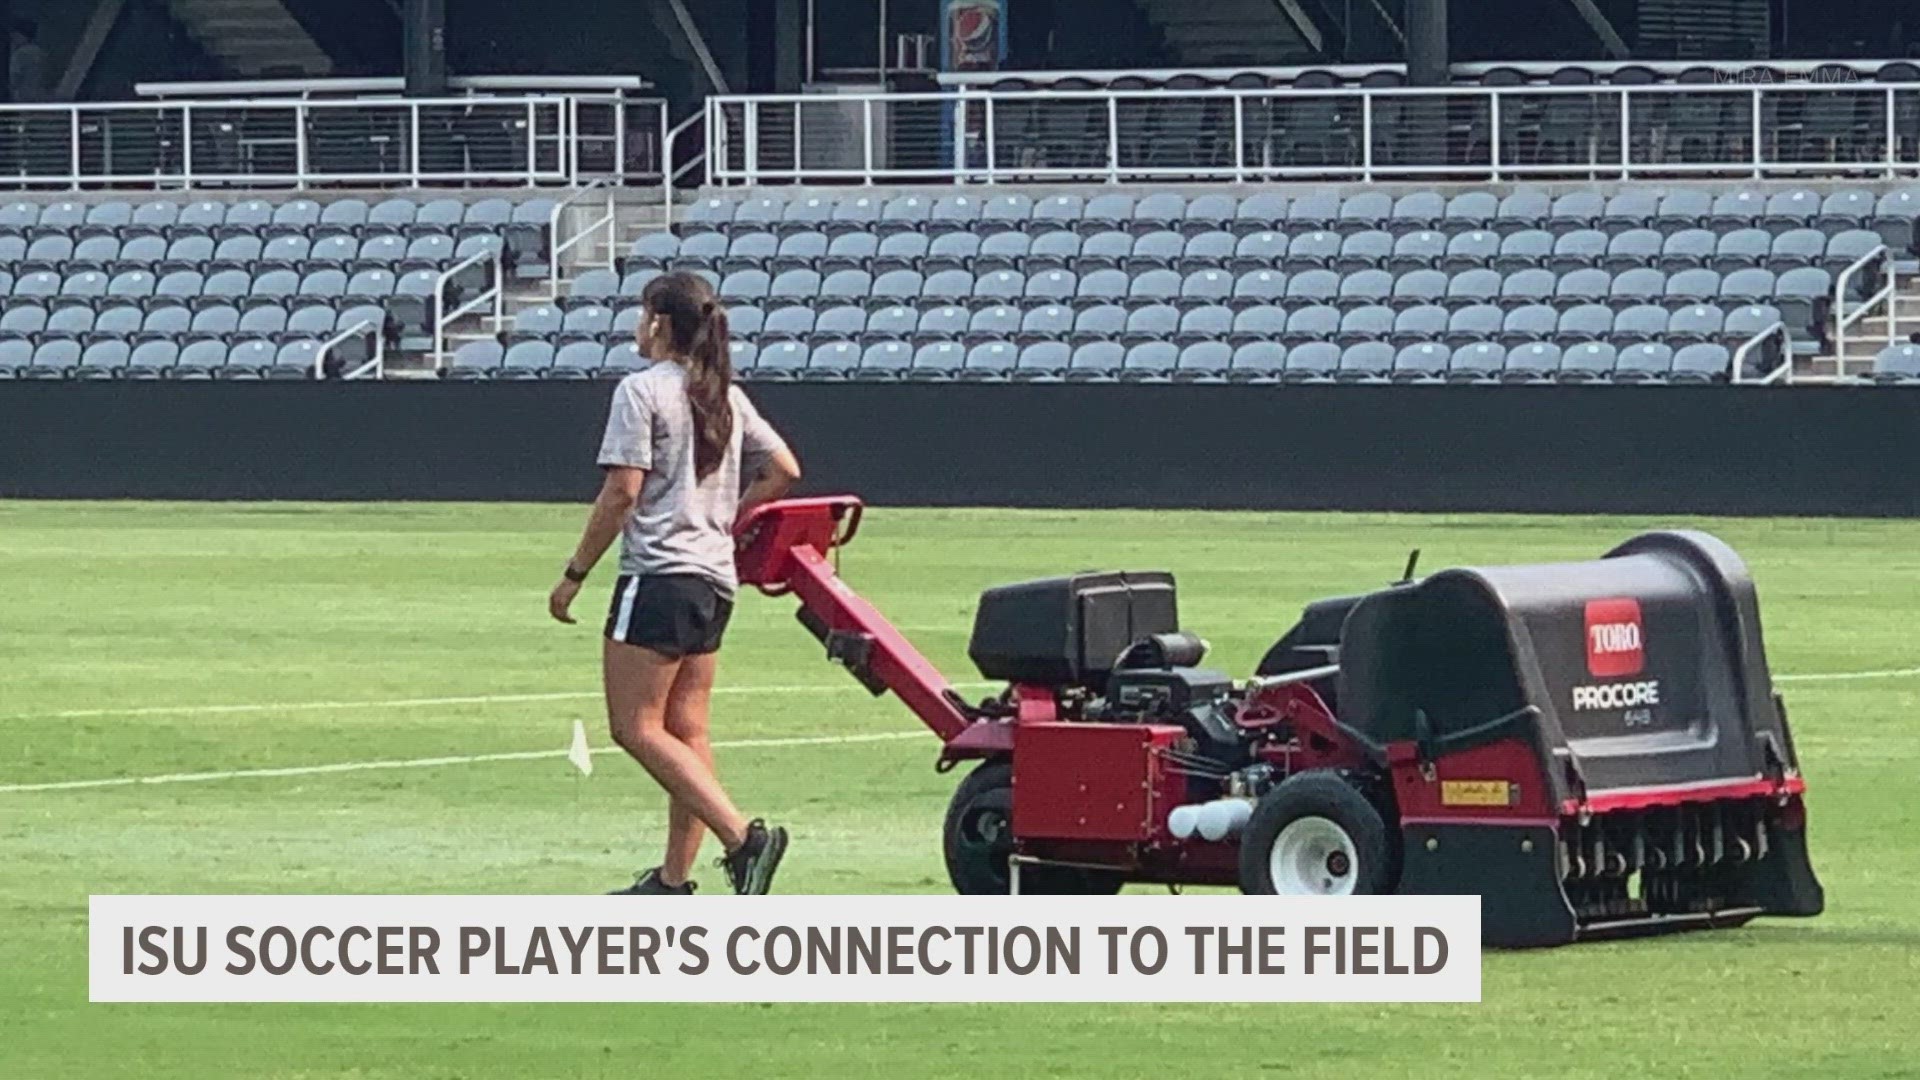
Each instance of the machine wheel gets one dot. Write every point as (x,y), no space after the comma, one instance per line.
(979,837)
(1316,835)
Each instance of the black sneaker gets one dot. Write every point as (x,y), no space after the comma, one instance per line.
(651,884)
(750,866)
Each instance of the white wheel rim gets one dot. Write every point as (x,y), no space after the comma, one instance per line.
(1312,856)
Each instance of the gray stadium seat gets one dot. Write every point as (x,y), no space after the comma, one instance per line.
(1096,360)
(1414,325)
(1363,324)
(215,322)
(1421,362)
(1264,251)
(1736,210)
(122,320)
(990,360)
(1259,288)
(1258,360)
(294,360)
(1258,324)
(1005,250)
(1310,324)
(1632,249)
(22,321)
(858,216)
(833,360)
(1526,249)
(103,359)
(1588,361)
(846,322)
(1641,285)
(1577,250)
(53,359)
(946,323)
(938,360)
(896,323)
(1212,323)
(886,359)
(1583,323)
(1750,286)
(998,323)
(906,213)
(1632,208)
(474,360)
(1051,323)
(1693,287)
(1576,210)
(1468,250)
(585,324)
(749,251)
(1479,361)
(248,360)
(1305,251)
(1533,362)
(1640,323)
(152,359)
(1204,360)
(1360,251)
(1897,364)
(70,322)
(745,356)
(1695,323)
(526,359)
(1057,212)
(16,355)
(1211,250)
(1789,210)
(152,218)
(790,323)
(808,215)
(1701,362)
(536,323)
(1471,210)
(1796,248)
(1150,361)
(1310,362)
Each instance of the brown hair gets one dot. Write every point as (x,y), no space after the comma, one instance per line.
(696,337)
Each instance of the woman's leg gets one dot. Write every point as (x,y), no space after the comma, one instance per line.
(638,684)
(687,703)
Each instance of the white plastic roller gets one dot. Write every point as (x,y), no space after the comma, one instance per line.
(1224,817)
(1184,820)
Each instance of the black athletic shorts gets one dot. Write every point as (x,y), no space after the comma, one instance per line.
(674,615)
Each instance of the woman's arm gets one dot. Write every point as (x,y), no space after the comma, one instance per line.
(777,477)
(618,493)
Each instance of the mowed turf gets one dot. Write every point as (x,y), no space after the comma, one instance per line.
(119,622)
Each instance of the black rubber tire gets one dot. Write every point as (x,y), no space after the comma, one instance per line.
(978,837)
(1326,794)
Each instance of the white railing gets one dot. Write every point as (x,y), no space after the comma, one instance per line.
(298,143)
(1781,373)
(969,135)
(677,168)
(375,366)
(442,318)
(562,246)
(1882,299)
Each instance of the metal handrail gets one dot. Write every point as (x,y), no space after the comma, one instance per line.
(1746,153)
(1782,374)
(156,142)
(442,318)
(378,363)
(560,247)
(674,172)
(1842,319)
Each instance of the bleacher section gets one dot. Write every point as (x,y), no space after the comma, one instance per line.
(1643,285)
(246,288)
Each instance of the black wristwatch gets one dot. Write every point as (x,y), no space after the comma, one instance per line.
(575,576)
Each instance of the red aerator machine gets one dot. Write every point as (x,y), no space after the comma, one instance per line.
(1593,748)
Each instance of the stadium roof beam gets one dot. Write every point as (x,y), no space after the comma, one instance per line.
(1602,28)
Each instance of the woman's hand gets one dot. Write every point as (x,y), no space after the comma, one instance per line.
(560,601)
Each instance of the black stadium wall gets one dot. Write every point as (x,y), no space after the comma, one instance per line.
(1668,450)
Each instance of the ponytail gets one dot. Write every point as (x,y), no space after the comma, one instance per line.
(696,336)
(709,390)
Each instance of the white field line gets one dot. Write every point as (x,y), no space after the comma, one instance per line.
(536,755)
(424,763)
(1844,676)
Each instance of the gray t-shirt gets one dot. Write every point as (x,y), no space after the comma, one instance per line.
(680,525)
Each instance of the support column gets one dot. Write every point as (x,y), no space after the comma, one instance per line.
(1426,29)
(425,60)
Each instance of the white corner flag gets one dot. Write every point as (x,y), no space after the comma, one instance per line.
(579,753)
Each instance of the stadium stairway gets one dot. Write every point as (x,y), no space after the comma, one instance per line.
(253,38)
(1867,337)
(632,220)
(1225,33)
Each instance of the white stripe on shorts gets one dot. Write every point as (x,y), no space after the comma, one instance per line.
(626,608)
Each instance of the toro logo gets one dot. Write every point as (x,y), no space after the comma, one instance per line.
(1615,645)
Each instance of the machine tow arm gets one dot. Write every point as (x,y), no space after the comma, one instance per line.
(785,548)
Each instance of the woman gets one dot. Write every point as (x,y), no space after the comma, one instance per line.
(679,439)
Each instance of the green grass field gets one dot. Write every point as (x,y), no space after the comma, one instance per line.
(141,639)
